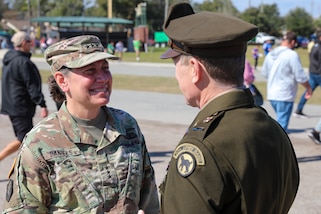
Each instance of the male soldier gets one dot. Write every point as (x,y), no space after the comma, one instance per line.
(234,157)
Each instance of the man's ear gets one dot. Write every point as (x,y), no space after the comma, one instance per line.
(61,81)
(196,70)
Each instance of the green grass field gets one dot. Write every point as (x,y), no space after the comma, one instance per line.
(169,85)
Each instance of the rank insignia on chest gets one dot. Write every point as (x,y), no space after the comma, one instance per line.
(188,156)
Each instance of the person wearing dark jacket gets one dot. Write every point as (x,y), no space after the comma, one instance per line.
(314,74)
(21,90)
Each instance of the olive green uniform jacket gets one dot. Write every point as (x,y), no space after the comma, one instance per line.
(234,158)
(61,168)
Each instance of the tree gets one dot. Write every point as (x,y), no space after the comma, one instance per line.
(65,8)
(3,8)
(251,15)
(99,9)
(221,6)
(300,22)
(317,23)
(269,19)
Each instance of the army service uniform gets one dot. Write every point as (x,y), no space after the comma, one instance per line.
(62,168)
(227,164)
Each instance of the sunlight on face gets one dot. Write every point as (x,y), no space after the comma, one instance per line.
(183,77)
(90,86)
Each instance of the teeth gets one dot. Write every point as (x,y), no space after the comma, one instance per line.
(99,90)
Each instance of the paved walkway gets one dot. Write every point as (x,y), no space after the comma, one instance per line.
(163,119)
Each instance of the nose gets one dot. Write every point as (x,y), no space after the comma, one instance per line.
(102,76)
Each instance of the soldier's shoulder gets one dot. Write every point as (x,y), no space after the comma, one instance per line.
(46,126)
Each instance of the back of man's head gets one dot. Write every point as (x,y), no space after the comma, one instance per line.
(20,37)
(290,36)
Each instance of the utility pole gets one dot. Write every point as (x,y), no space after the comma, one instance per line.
(166,8)
(110,8)
(110,13)
(29,17)
(38,8)
(312,8)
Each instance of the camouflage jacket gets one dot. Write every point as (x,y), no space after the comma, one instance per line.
(62,168)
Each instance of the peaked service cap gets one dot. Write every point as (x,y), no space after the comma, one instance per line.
(205,34)
(76,52)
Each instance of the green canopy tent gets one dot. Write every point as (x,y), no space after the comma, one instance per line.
(82,23)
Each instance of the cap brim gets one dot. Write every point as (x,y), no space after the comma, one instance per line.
(90,58)
(170,53)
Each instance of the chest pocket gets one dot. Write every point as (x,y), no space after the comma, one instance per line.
(72,187)
(125,156)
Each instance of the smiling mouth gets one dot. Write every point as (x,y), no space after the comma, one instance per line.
(99,90)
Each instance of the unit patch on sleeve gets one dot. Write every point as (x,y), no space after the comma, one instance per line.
(188,156)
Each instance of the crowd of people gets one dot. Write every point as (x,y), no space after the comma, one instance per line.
(87,157)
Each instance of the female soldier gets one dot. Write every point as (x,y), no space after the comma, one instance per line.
(87,157)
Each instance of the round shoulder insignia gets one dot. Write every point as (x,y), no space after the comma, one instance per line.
(187,157)
(185,164)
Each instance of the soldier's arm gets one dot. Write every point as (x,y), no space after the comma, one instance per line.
(28,189)
(149,201)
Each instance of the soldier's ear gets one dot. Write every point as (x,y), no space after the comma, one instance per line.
(197,69)
(61,81)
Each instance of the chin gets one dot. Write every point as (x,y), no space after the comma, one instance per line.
(102,101)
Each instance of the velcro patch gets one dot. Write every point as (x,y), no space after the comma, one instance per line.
(9,190)
(188,156)
(193,150)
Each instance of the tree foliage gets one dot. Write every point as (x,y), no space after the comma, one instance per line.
(266,16)
(299,21)
(66,8)
(269,19)
(220,6)
(3,8)
(317,23)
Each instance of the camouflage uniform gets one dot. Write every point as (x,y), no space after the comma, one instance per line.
(62,168)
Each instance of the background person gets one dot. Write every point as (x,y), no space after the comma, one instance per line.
(119,49)
(137,44)
(43,44)
(21,90)
(283,70)
(267,47)
(111,48)
(87,157)
(315,133)
(234,158)
(314,74)
(256,55)
(249,78)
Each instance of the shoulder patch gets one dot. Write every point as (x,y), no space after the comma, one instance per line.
(188,156)
(192,149)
